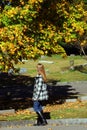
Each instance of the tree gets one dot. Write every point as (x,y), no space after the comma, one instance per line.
(75,26)
(31,28)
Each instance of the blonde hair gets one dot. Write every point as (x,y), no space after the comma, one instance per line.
(41,71)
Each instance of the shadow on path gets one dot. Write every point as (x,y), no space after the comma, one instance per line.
(16,92)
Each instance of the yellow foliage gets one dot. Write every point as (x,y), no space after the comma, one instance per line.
(81,31)
(32,1)
(35,1)
(67,39)
(3,49)
(84,42)
(20,43)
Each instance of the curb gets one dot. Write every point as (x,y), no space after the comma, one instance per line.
(21,123)
(69,121)
(15,123)
(80,98)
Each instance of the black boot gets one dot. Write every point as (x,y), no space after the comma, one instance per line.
(39,121)
(42,118)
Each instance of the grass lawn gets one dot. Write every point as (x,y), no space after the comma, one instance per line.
(58,70)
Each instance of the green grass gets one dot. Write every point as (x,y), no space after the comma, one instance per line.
(59,70)
(69,113)
(17,117)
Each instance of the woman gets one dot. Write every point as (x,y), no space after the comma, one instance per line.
(40,94)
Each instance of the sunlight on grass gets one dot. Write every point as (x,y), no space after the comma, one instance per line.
(69,110)
(59,69)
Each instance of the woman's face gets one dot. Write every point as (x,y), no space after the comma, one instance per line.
(39,69)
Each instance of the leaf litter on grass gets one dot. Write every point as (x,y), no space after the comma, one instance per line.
(57,111)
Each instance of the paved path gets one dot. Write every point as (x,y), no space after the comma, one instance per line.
(51,123)
(68,90)
(80,86)
(77,86)
(48,127)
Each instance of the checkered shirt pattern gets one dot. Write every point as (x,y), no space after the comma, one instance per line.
(40,89)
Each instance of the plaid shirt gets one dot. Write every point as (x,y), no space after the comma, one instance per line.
(40,89)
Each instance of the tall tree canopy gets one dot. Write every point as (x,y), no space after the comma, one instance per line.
(31,28)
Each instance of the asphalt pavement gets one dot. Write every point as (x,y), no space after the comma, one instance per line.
(48,127)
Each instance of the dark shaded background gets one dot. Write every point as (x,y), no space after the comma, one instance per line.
(16,92)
